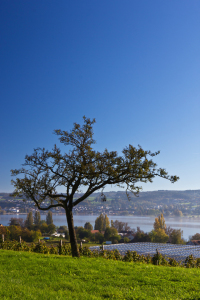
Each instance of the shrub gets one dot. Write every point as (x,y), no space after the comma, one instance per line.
(65,249)
(159,259)
(198,263)
(190,261)
(128,256)
(53,250)
(41,248)
(173,263)
(85,251)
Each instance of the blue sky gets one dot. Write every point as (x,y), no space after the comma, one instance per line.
(132,65)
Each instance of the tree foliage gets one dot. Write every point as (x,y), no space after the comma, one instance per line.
(37,218)
(83,233)
(44,171)
(196,236)
(111,234)
(88,226)
(49,218)
(141,236)
(102,222)
(29,220)
(176,236)
(120,226)
(16,222)
(158,236)
(159,223)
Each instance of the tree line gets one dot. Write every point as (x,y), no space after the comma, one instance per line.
(160,233)
(32,229)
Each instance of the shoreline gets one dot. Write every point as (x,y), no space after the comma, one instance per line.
(111,215)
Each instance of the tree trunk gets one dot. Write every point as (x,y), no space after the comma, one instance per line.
(72,233)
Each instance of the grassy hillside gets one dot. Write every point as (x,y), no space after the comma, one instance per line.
(39,276)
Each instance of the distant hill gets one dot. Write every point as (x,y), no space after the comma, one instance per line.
(147,203)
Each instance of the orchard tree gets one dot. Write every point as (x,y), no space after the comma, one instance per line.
(81,167)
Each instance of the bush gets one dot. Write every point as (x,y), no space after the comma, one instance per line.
(130,256)
(126,240)
(65,249)
(173,263)
(190,261)
(41,248)
(159,259)
(85,251)
(53,250)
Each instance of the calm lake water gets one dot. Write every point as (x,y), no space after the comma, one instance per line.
(190,226)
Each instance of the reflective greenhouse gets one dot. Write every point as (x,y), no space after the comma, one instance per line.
(178,252)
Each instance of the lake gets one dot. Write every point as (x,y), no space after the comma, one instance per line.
(190,226)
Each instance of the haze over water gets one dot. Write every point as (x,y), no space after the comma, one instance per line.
(190,226)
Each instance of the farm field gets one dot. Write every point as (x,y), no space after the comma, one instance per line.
(38,276)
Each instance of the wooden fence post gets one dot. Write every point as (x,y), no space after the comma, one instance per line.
(2,238)
(20,239)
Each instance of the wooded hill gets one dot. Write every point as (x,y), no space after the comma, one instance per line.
(147,203)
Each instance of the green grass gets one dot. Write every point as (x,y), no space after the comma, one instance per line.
(38,276)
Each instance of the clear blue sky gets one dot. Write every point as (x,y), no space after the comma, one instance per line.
(132,65)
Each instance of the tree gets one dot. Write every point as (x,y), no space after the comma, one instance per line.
(45,171)
(101,223)
(49,218)
(62,229)
(15,232)
(4,230)
(37,218)
(178,213)
(111,233)
(99,237)
(29,220)
(120,226)
(141,236)
(88,226)
(16,222)
(83,233)
(159,223)
(44,227)
(176,236)
(126,240)
(196,236)
(168,230)
(51,229)
(158,236)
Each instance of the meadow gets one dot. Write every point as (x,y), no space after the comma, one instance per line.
(25,275)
